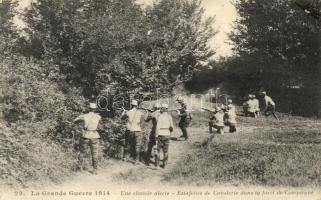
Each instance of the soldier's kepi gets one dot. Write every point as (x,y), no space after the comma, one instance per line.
(90,136)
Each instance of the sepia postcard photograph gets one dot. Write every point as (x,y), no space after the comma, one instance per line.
(160,99)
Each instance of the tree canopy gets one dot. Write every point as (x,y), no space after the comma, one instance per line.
(102,43)
(277,44)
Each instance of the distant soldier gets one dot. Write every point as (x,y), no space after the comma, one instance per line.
(164,128)
(269,105)
(246,106)
(134,131)
(211,119)
(211,122)
(90,136)
(256,105)
(152,116)
(231,116)
(219,120)
(185,118)
(251,106)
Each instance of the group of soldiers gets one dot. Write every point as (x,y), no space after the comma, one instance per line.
(159,136)
(221,116)
(252,108)
(133,143)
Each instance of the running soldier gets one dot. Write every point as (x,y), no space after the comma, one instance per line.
(185,118)
(164,128)
(152,116)
(90,136)
(269,105)
(134,131)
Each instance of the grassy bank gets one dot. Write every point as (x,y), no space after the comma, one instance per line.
(264,152)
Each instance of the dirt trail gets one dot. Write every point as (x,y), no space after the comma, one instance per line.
(123,173)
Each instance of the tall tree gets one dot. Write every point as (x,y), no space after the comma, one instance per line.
(278,45)
(179,36)
(98,43)
(8,34)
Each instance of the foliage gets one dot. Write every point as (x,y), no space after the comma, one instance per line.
(209,76)
(31,104)
(98,43)
(278,46)
(72,50)
(8,34)
(112,132)
(28,160)
(33,94)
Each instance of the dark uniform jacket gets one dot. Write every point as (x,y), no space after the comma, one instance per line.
(185,117)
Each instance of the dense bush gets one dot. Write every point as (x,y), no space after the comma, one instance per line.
(28,160)
(120,43)
(38,109)
(34,93)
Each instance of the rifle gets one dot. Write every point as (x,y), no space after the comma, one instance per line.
(146,109)
(208,110)
(172,110)
(153,110)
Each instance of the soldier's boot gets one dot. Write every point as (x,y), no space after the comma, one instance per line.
(165,160)
(81,162)
(232,129)
(122,153)
(157,161)
(138,158)
(149,152)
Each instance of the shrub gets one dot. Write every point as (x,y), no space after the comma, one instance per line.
(37,108)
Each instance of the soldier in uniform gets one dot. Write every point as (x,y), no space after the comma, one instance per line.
(90,136)
(219,120)
(269,105)
(185,118)
(251,106)
(152,116)
(231,116)
(256,105)
(246,106)
(134,130)
(164,128)
(211,122)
